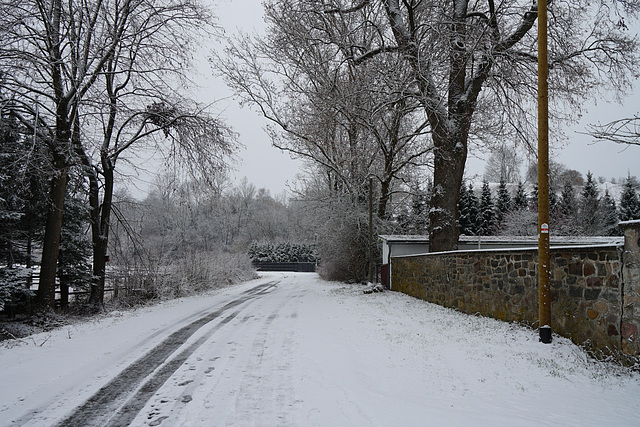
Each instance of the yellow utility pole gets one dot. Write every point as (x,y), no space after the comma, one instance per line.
(370,230)
(544,295)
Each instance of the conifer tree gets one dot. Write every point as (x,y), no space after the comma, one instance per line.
(609,215)
(629,203)
(520,200)
(589,212)
(468,211)
(486,214)
(566,211)
(504,203)
(567,202)
(419,210)
(74,259)
(533,198)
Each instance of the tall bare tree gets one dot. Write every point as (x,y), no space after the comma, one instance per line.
(113,65)
(470,56)
(52,53)
(138,108)
(473,68)
(350,121)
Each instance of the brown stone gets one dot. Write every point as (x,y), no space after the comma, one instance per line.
(601,306)
(613,281)
(588,269)
(592,314)
(594,281)
(559,273)
(574,268)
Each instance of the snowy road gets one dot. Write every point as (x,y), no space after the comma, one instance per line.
(292,350)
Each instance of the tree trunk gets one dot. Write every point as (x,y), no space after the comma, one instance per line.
(100,217)
(48,266)
(449,160)
(385,187)
(64,295)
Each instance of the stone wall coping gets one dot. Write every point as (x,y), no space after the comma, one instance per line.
(573,240)
(512,250)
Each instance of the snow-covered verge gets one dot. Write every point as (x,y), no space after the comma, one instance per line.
(308,352)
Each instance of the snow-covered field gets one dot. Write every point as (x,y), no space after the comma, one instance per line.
(292,350)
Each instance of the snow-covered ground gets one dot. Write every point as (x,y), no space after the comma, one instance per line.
(292,350)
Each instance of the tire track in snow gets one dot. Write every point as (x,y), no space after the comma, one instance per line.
(264,395)
(241,376)
(118,402)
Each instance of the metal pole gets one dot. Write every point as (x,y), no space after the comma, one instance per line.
(370,230)
(544,296)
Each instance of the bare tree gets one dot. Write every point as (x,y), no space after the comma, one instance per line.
(468,57)
(621,131)
(115,66)
(350,121)
(472,67)
(138,108)
(503,164)
(52,53)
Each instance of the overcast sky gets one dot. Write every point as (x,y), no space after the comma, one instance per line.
(267,167)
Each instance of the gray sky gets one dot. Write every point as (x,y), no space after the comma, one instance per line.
(265,166)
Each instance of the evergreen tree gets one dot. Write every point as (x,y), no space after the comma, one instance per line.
(553,202)
(486,214)
(567,202)
(468,211)
(590,216)
(566,211)
(11,202)
(520,200)
(74,259)
(23,198)
(504,203)
(533,198)
(419,210)
(609,215)
(463,210)
(629,203)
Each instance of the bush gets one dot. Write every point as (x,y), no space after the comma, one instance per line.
(13,289)
(193,273)
(282,252)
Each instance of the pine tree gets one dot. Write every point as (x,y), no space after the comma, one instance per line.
(463,210)
(566,211)
(609,215)
(629,203)
(419,211)
(590,216)
(486,214)
(553,202)
(533,198)
(468,211)
(520,200)
(567,202)
(74,265)
(504,203)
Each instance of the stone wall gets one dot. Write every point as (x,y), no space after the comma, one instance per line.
(630,324)
(586,289)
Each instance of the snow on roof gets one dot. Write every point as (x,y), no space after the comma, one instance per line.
(567,240)
(631,222)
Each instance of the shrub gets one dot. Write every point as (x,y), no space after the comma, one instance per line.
(282,252)
(13,289)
